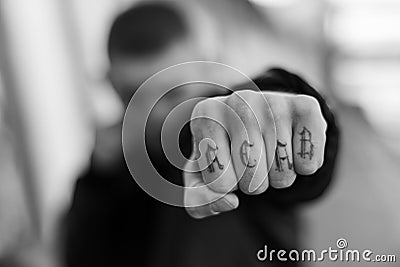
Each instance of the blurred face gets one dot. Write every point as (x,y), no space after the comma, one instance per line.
(128,73)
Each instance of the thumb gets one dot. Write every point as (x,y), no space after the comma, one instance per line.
(200,201)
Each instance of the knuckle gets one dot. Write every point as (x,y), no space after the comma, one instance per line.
(202,108)
(246,94)
(305,105)
(243,102)
(233,100)
(281,107)
(240,98)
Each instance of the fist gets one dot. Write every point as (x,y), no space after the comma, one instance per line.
(249,141)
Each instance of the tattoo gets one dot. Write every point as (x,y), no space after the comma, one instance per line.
(306,146)
(281,155)
(211,156)
(245,154)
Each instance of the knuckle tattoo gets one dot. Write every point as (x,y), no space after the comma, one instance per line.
(245,154)
(306,105)
(282,157)
(306,145)
(212,158)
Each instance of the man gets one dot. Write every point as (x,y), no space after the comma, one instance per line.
(113,222)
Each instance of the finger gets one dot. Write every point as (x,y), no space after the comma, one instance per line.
(247,144)
(249,159)
(213,146)
(248,152)
(200,201)
(308,137)
(282,174)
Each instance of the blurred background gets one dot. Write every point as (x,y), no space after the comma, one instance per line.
(54,95)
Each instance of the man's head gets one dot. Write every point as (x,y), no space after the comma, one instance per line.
(145,39)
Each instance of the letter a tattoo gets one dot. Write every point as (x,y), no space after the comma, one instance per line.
(281,155)
(211,156)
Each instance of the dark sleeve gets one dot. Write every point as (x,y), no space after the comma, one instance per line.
(312,186)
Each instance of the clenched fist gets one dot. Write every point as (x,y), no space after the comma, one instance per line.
(249,141)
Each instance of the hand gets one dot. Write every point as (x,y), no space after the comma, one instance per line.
(250,140)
